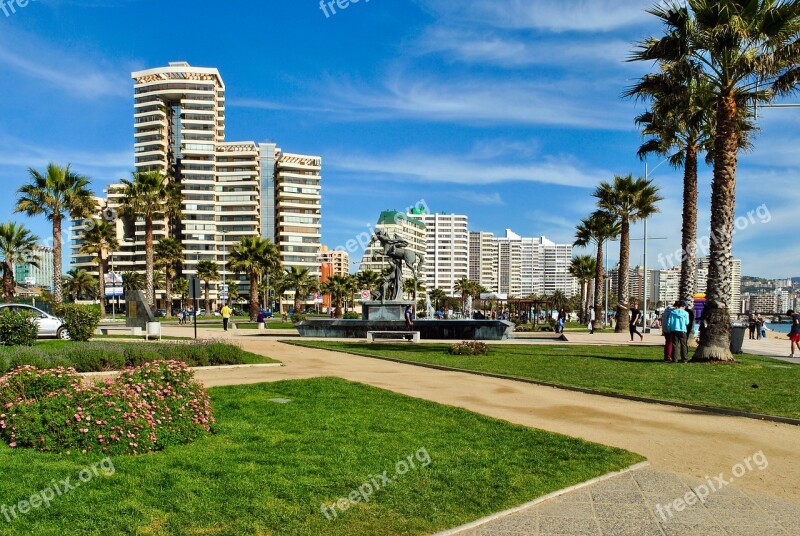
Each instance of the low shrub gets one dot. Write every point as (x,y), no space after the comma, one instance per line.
(81,321)
(469,348)
(136,355)
(296,319)
(18,328)
(352,316)
(144,409)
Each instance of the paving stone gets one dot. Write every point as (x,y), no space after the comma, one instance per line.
(655,482)
(618,497)
(576,496)
(513,525)
(731,502)
(625,527)
(567,509)
(622,510)
(754,530)
(550,526)
(691,529)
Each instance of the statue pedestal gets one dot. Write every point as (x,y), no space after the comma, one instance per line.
(386,311)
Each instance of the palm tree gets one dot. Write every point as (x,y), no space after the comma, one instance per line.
(301,282)
(169,255)
(207,271)
(279,282)
(557,301)
(368,280)
(411,286)
(80,283)
(132,282)
(466,288)
(151,196)
(255,257)
(628,200)
(181,287)
(598,228)
(17,246)
(338,286)
(748,54)
(437,295)
(233,291)
(57,193)
(100,240)
(583,269)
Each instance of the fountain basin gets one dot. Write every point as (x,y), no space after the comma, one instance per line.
(450,330)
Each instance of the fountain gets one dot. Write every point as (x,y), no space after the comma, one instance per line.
(468,308)
(385,311)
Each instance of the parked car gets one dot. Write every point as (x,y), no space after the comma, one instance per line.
(49,326)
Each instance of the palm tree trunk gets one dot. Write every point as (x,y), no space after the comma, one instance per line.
(599,286)
(715,326)
(8,282)
(208,300)
(296,301)
(102,284)
(253,296)
(58,282)
(582,316)
(689,231)
(623,290)
(148,247)
(168,290)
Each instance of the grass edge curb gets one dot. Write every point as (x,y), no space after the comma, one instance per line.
(499,515)
(622,396)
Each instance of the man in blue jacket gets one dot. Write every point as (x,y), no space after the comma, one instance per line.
(678,325)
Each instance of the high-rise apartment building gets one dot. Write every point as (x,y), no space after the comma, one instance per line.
(397,225)
(334,262)
(735,299)
(664,286)
(40,275)
(230,189)
(521,266)
(447,250)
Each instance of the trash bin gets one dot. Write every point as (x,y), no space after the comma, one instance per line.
(737,338)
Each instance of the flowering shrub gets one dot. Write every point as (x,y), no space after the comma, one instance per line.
(469,348)
(144,409)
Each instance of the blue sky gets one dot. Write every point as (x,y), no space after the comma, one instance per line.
(507,111)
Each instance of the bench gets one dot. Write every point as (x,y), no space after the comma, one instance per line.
(393,336)
(236,326)
(134,332)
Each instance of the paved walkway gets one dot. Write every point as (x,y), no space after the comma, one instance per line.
(682,445)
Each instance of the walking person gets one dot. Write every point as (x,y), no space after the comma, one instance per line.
(591,321)
(562,318)
(226,316)
(678,325)
(409,316)
(636,316)
(752,326)
(794,333)
(668,347)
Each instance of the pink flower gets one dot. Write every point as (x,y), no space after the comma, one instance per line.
(12,445)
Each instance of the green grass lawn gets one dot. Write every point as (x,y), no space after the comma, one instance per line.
(629,370)
(131,337)
(270,467)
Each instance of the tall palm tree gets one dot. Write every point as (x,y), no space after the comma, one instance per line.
(57,194)
(150,196)
(181,287)
(411,286)
(466,288)
(100,240)
(627,200)
(207,271)
(583,268)
(169,256)
(368,280)
(598,229)
(301,282)
(438,296)
(255,257)
(132,282)
(279,282)
(338,286)
(17,246)
(79,284)
(557,301)
(748,54)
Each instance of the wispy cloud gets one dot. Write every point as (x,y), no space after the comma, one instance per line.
(480,198)
(561,16)
(73,73)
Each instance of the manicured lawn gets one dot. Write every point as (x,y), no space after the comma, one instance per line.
(270,467)
(629,370)
(131,337)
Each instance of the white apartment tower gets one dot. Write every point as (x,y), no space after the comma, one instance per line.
(447,250)
(397,225)
(298,228)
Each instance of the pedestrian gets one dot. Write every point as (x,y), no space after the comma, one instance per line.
(794,333)
(409,316)
(752,326)
(591,321)
(678,325)
(636,315)
(562,319)
(763,329)
(226,316)
(668,347)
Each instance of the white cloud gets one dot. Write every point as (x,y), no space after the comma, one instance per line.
(479,198)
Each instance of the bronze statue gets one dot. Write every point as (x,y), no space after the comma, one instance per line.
(395,249)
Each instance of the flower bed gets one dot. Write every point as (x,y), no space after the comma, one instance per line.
(145,409)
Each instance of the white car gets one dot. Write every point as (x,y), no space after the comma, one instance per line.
(49,325)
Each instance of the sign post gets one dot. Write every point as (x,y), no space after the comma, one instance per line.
(194,292)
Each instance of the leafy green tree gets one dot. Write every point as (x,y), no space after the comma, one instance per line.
(302,283)
(747,52)
(80,284)
(132,282)
(628,200)
(100,240)
(412,286)
(583,268)
(207,271)
(169,257)
(338,286)
(150,196)
(438,296)
(256,257)
(17,246)
(181,287)
(57,193)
